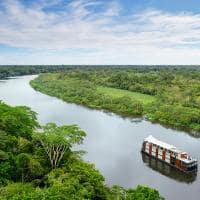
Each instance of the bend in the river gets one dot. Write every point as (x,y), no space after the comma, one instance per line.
(113,143)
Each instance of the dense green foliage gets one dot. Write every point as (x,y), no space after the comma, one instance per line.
(114,92)
(75,90)
(172,94)
(19,70)
(16,128)
(26,171)
(56,141)
(8,71)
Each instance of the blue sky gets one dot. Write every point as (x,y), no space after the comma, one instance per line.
(100,32)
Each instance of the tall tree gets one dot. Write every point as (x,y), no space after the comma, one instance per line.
(18,120)
(57,140)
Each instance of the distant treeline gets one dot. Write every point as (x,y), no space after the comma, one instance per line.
(8,71)
(17,70)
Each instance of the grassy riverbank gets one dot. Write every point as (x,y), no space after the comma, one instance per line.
(169,97)
(117,93)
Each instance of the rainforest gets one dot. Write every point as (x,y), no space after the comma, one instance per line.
(169,96)
(38,161)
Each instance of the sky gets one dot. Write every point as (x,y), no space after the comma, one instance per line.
(134,32)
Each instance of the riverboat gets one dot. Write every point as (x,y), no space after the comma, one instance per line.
(169,154)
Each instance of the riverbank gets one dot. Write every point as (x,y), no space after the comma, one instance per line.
(85,93)
(81,91)
(29,172)
(113,143)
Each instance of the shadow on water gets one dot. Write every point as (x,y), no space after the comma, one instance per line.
(167,170)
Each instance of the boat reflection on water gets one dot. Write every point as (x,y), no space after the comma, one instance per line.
(168,170)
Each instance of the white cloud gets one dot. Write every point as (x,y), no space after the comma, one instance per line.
(148,37)
(113,9)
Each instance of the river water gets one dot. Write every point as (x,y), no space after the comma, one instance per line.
(113,143)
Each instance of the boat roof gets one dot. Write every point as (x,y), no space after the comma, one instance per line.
(153,140)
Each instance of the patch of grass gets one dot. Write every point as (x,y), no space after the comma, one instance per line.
(113,92)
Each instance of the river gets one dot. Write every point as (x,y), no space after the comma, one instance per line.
(113,143)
